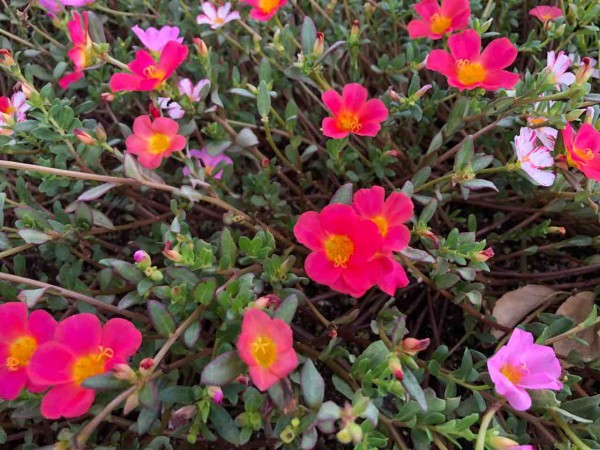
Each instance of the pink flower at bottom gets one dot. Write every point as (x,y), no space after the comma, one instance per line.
(522,365)
(352,112)
(534,158)
(266,346)
(467,67)
(19,340)
(81,349)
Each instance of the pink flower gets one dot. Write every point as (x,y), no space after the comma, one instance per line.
(173,109)
(583,149)
(193,92)
(534,158)
(586,70)
(468,68)
(352,113)
(557,67)
(82,52)
(521,365)
(413,346)
(485,254)
(153,141)
(547,135)
(19,340)
(504,443)
(147,74)
(12,110)
(76,3)
(209,162)
(81,349)
(53,6)
(266,346)
(546,13)
(216,17)
(453,15)
(156,40)
(263,10)
(344,248)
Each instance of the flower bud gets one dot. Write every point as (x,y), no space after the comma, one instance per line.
(396,367)
(100,133)
(172,255)
(413,346)
(132,402)
(427,234)
(265,162)
(287,435)
(146,366)
(27,89)
(355,432)
(182,416)
(156,275)
(589,115)
(585,70)
(242,379)
(354,32)
(319,44)
(153,111)
(421,92)
(344,436)
(6,58)
(142,258)
(557,230)
(266,301)
(295,422)
(84,137)
(216,393)
(107,97)
(201,47)
(124,372)
(484,255)
(502,443)
(393,95)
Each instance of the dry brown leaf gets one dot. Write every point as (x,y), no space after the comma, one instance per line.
(513,306)
(578,308)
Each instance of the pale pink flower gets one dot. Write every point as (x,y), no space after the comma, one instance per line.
(172,108)
(522,365)
(154,39)
(12,110)
(533,158)
(193,92)
(217,17)
(557,67)
(547,135)
(209,162)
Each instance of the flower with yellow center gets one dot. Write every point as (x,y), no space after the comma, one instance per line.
(20,352)
(585,154)
(91,365)
(469,73)
(382,224)
(264,351)
(268,5)
(514,374)
(439,23)
(348,121)
(154,72)
(339,248)
(159,143)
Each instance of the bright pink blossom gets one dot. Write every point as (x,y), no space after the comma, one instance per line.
(534,158)
(147,73)
(266,346)
(546,13)
(153,141)
(522,365)
(155,40)
(263,10)
(352,112)
(19,340)
(557,67)
(344,249)
(467,67)
(82,52)
(209,162)
(12,110)
(216,17)
(81,349)
(438,21)
(583,149)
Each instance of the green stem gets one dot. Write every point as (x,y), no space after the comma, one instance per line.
(280,155)
(485,423)
(568,431)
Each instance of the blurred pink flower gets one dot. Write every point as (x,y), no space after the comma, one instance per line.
(82,52)
(209,162)
(534,158)
(467,67)
(81,349)
(216,17)
(352,112)
(12,110)
(193,92)
(155,40)
(437,22)
(546,13)
(263,10)
(173,109)
(583,149)
(152,141)
(557,67)
(20,338)
(266,345)
(522,365)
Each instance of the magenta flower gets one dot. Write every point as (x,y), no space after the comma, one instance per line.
(557,67)
(438,21)
(534,158)
(546,13)
(217,17)
(209,162)
(155,40)
(522,365)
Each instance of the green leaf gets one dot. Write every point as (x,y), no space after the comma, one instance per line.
(287,309)
(414,389)
(2,197)
(204,291)
(223,369)
(104,381)
(177,394)
(465,154)
(263,100)
(308,35)
(343,195)
(191,334)
(312,384)
(227,250)
(161,318)
(224,425)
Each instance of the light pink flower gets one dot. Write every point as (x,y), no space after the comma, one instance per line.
(216,17)
(557,67)
(193,92)
(209,162)
(534,158)
(522,365)
(173,109)
(12,110)
(155,40)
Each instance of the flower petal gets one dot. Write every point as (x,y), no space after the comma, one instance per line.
(465,45)
(67,400)
(354,95)
(122,337)
(308,230)
(332,100)
(499,53)
(81,333)
(441,61)
(12,382)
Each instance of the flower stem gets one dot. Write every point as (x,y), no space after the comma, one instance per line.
(485,423)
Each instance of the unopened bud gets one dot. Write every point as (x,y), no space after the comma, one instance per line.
(413,346)
(295,422)
(123,372)
(132,402)
(100,133)
(502,443)
(242,379)
(557,230)
(107,97)
(392,153)
(369,9)
(153,111)
(6,58)
(267,300)
(421,92)
(393,95)
(201,47)
(156,275)
(332,330)
(265,162)
(427,234)
(354,32)
(146,366)
(172,255)
(344,436)
(216,393)
(589,115)
(84,137)
(182,416)
(396,367)
(585,70)
(27,89)
(484,255)
(319,44)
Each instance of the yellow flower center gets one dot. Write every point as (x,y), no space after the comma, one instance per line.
(20,352)
(439,24)
(268,5)
(154,73)
(264,351)
(348,121)
(208,170)
(514,374)
(219,21)
(583,153)
(91,365)
(381,224)
(9,110)
(339,249)
(469,72)
(537,120)
(159,143)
